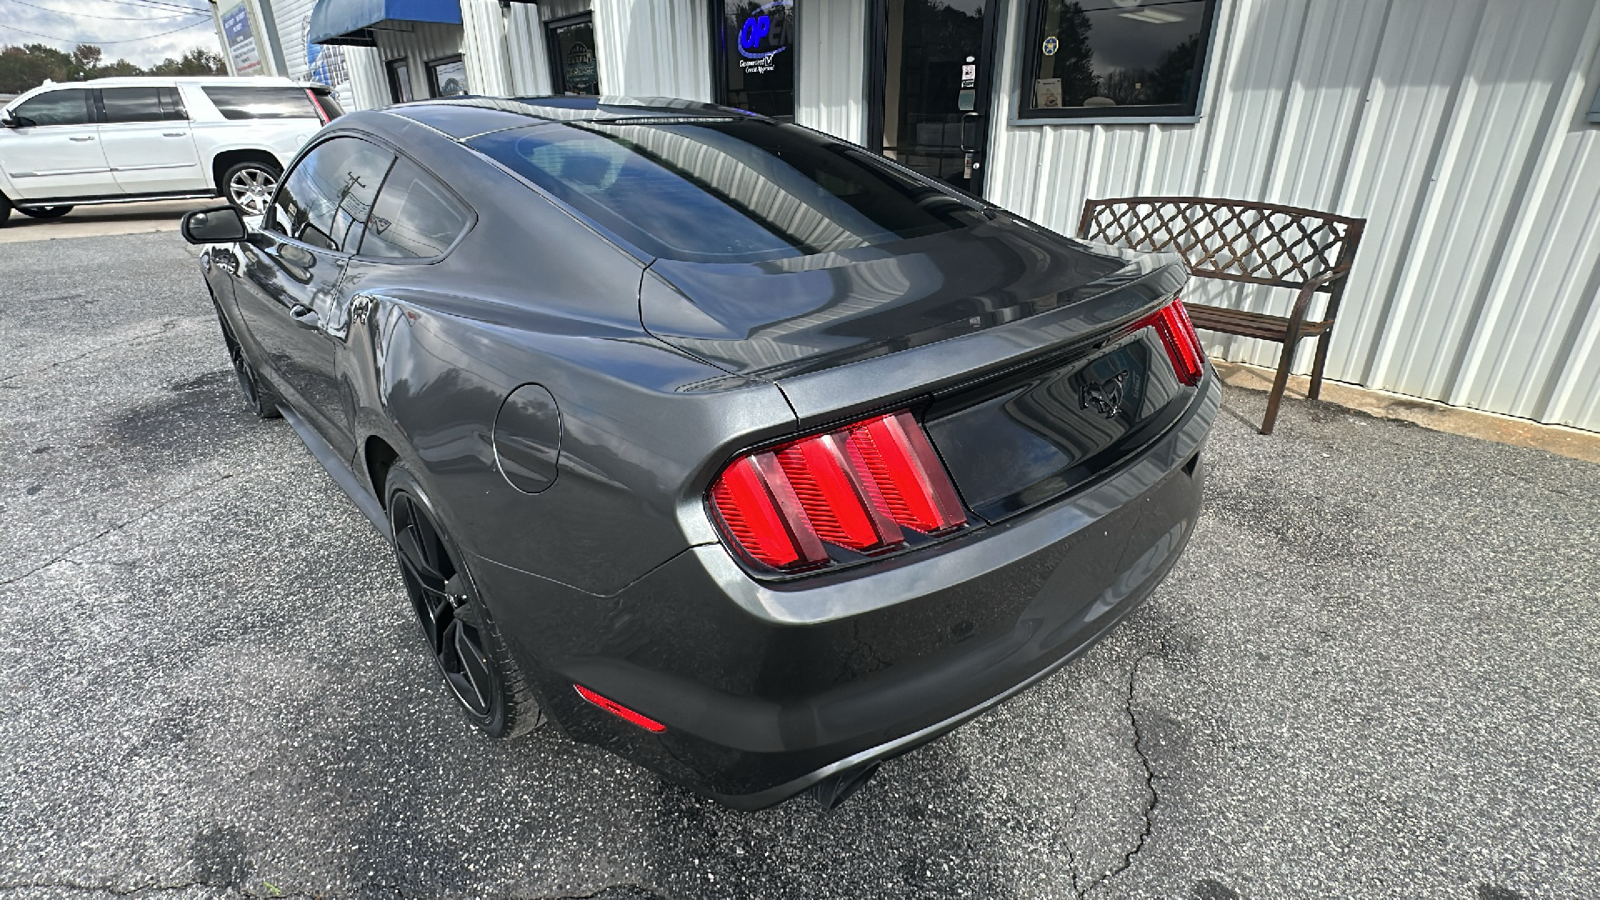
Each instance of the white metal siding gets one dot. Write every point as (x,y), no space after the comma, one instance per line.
(831,67)
(1455,127)
(654,48)
(419,44)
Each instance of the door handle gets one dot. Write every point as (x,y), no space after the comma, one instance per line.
(962,136)
(172,134)
(304,316)
(80,139)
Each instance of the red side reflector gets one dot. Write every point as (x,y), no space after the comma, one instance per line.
(620,711)
(1178,336)
(858,488)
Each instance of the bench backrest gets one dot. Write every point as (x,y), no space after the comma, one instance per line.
(1256,243)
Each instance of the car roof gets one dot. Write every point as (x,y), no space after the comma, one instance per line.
(465,117)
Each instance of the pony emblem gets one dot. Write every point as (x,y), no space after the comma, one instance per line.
(1104,396)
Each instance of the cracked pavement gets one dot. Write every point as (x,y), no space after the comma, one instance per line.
(1374,674)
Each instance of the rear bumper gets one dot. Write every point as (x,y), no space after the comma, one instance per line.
(768,689)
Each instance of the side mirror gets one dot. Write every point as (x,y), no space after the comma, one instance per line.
(217,225)
(7,122)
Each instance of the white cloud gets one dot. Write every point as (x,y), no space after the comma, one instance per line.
(124,29)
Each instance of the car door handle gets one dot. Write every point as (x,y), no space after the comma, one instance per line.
(80,139)
(304,316)
(173,133)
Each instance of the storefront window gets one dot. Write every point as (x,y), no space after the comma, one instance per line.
(572,59)
(754,50)
(399,80)
(447,77)
(1139,58)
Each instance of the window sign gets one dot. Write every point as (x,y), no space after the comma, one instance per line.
(448,77)
(572,56)
(755,49)
(240,38)
(1116,57)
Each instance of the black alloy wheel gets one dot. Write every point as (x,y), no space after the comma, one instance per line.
(45,212)
(470,655)
(259,400)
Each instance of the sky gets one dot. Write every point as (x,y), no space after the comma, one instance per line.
(124,29)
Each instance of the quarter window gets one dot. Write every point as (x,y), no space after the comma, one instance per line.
(325,199)
(1134,58)
(65,107)
(754,41)
(140,104)
(240,102)
(415,216)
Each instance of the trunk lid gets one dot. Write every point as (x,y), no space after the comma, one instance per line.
(1005,337)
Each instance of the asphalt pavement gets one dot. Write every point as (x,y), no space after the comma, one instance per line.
(1373,675)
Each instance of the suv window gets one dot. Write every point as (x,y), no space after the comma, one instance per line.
(244,102)
(415,216)
(326,198)
(330,107)
(141,104)
(64,107)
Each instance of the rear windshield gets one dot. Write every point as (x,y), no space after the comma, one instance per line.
(726,190)
(240,102)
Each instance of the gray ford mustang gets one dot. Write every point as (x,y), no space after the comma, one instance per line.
(731,447)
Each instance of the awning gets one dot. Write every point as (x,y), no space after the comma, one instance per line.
(352,22)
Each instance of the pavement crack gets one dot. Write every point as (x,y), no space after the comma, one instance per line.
(634,892)
(114,890)
(65,555)
(1153,798)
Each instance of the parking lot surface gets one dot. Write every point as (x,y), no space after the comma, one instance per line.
(1374,674)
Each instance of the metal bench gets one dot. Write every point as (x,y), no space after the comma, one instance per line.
(1251,243)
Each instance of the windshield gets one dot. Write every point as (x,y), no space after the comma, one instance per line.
(726,190)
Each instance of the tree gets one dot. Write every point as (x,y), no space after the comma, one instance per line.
(26,67)
(198,61)
(1073,61)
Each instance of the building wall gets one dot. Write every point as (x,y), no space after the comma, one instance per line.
(831,68)
(1456,127)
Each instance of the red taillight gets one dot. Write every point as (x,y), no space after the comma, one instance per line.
(859,487)
(620,711)
(1177,333)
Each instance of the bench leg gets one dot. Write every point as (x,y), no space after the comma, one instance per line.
(1322,361)
(1285,360)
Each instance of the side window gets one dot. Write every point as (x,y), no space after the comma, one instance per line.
(132,104)
(414,218)
(65,107)
(245,102)
(326,198)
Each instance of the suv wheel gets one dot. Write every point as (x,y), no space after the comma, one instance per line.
(249,186)
(491,690)
(45,212)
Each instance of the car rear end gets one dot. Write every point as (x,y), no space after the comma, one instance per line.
(996,455)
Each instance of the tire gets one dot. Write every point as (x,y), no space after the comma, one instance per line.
(248,186)
(45,212)
(259,399)
(5,210)
(488,687)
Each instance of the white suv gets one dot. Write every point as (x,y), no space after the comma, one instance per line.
(121,140)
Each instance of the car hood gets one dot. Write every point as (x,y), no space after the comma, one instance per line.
(780,319)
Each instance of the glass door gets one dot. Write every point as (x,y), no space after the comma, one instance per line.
(930,109)
(572,62)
